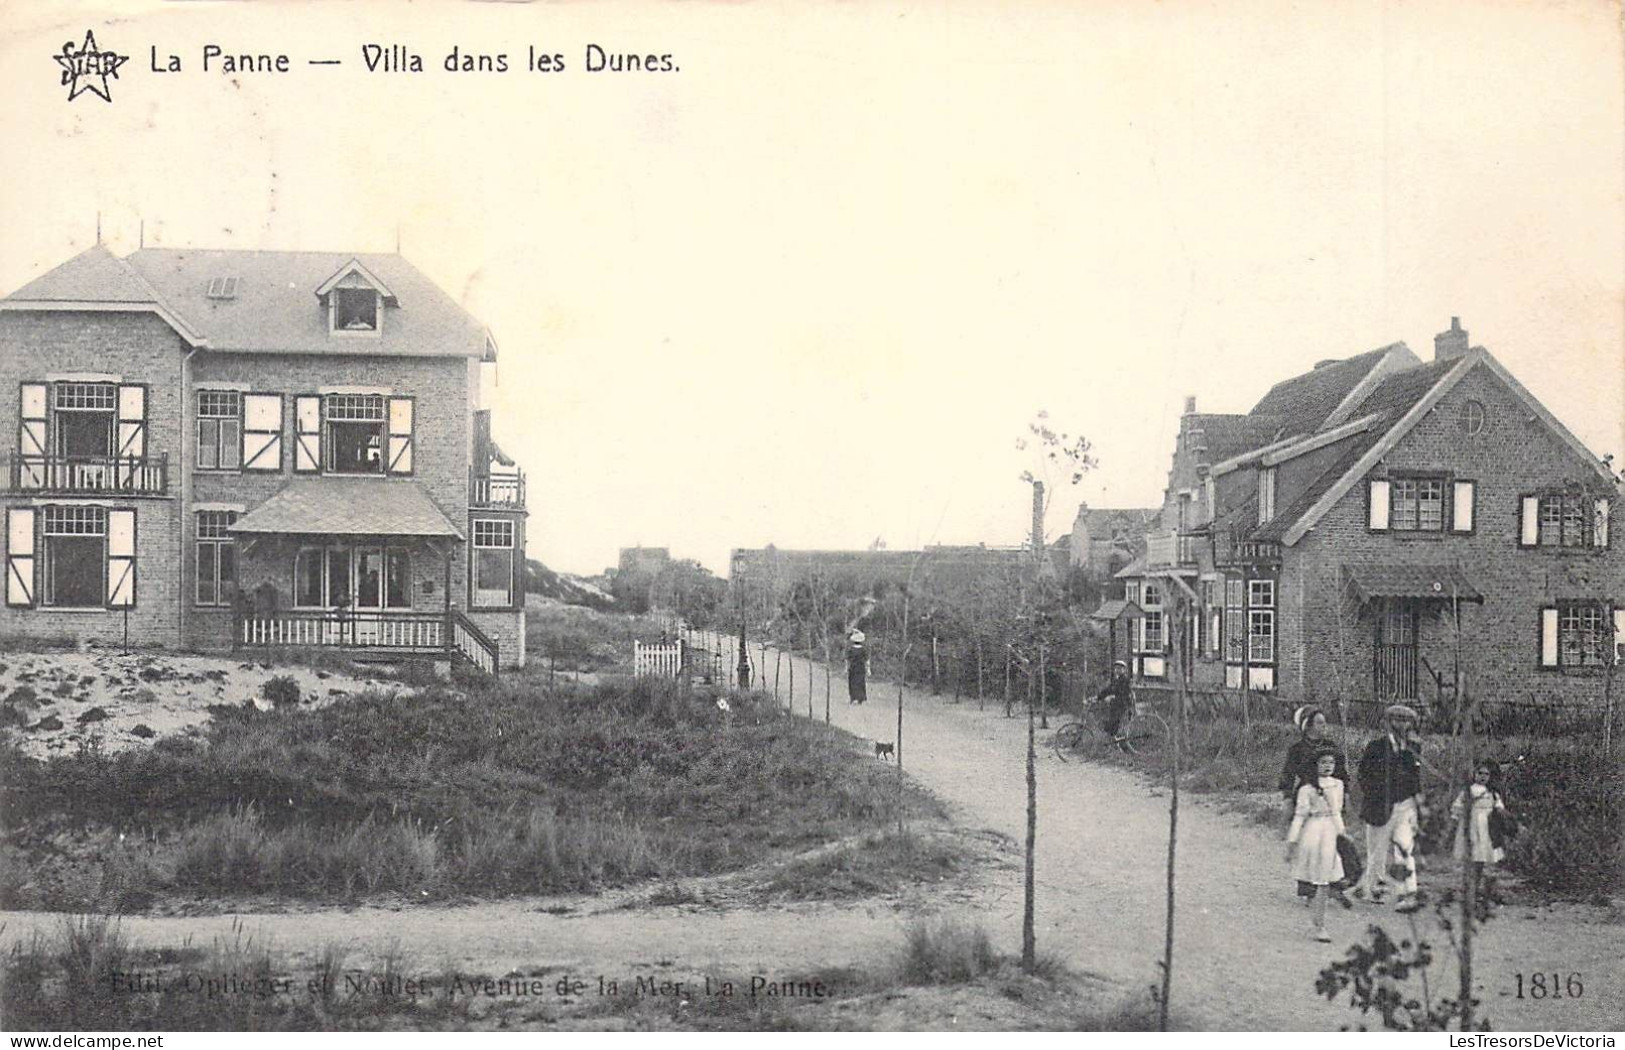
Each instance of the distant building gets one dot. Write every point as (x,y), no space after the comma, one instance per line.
(769,574)
(645,559)
(1103,541)
(1325,541)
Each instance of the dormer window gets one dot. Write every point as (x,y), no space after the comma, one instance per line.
(355,310)
(355,299)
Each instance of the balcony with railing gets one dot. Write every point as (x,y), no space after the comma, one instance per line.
(497,491)
(1234,548)
(88,475)
(1166,550)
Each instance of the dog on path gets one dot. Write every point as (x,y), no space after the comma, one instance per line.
(885,751)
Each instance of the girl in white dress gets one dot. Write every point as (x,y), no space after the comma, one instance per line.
(1473,842)
(1311,848)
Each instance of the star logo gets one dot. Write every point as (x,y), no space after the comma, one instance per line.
(85,67)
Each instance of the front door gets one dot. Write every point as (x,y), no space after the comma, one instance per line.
(1396,653)
(369,592)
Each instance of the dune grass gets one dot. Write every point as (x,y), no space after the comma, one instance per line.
(494,791)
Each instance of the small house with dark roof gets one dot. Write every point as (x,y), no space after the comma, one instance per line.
(1337,540)
(221,449)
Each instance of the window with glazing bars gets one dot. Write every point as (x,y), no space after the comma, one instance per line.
(96,397)
(1417,504)
(219,429)
(216,557)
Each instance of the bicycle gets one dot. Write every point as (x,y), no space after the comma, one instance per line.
(1141,730)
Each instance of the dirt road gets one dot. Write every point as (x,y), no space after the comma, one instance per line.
(1244,960)
(1244,957)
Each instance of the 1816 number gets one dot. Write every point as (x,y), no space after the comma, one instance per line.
(1536,986)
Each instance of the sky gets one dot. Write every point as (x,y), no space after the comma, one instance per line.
(809,287)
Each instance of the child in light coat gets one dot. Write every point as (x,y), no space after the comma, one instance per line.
(1317,820)
(1471,811)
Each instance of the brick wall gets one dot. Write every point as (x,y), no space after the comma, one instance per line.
(1512,455)
(140,348)
(507,629)
(442,390)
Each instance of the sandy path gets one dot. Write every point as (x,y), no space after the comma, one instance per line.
(1244,961)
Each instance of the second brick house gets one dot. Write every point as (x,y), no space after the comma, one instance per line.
(1338,539)
(219,448)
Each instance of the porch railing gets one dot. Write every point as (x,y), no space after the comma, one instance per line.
(92,475)
(415,632)
(1233,548)
(473,644)
(497,490)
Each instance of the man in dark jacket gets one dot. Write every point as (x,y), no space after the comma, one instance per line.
(1390,775)
(1119,695)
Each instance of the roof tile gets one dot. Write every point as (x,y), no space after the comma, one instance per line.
(349,507)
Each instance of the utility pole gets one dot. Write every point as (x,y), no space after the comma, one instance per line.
(742,670)
(1029,945)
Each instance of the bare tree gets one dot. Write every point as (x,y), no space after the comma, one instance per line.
(1052,453)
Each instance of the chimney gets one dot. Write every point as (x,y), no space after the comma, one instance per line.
(1190,406)
(1447,346)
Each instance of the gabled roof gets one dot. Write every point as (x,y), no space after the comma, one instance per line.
(94,275)
(1226,436)
(355,266)
(1405,398)
(330,506)
(1301,404)
(97,280)
(1116,609)
(276,309)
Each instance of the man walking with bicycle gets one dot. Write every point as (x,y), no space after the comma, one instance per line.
(1119,697)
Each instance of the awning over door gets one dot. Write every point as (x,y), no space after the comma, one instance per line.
(348,507)
(1438,583)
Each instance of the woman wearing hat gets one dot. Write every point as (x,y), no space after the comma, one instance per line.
(857,667)
(1300,766)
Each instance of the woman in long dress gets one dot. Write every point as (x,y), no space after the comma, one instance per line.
(857,668)
(1317,820)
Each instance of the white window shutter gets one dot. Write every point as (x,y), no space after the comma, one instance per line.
(1599,535)
(120,558)
(1379,505)
(1529,522)
(307,442)
(1461,510)
(1619,635)
(1548,637)
(31,436)
(20,556)
(132,422)
(262,432)
(400,435)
